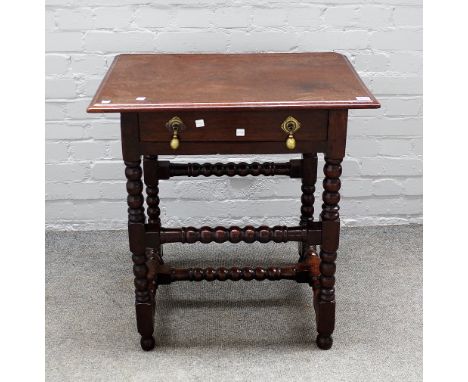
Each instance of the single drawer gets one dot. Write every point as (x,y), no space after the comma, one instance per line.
(234,126)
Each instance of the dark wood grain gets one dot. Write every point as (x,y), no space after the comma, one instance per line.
(330,217)
(309,177)
(291,168)
(144,303)
(254,92)
(234,234)
(231,81)
(152,189)
(300,272)
(222,126)
(307,271)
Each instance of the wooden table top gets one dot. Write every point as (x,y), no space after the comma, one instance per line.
(153,82)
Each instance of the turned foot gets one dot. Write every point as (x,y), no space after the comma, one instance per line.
(324,342)
(147,343)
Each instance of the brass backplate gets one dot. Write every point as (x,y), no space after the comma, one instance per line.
(175,124)
(290,125)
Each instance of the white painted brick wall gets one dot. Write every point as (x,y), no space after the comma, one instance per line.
(382,179)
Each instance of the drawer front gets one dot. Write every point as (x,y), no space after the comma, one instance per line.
(234,126)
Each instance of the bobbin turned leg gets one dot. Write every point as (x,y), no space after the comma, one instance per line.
(150,167)
(136,231)
(136,228)
(309,177)
(325,306)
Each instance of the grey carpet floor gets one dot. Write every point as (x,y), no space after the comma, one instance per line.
(243,331)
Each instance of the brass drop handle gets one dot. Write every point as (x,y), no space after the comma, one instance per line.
(175,125)
(174,141)
(290,125)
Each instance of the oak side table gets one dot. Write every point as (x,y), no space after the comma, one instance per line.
(201,104)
